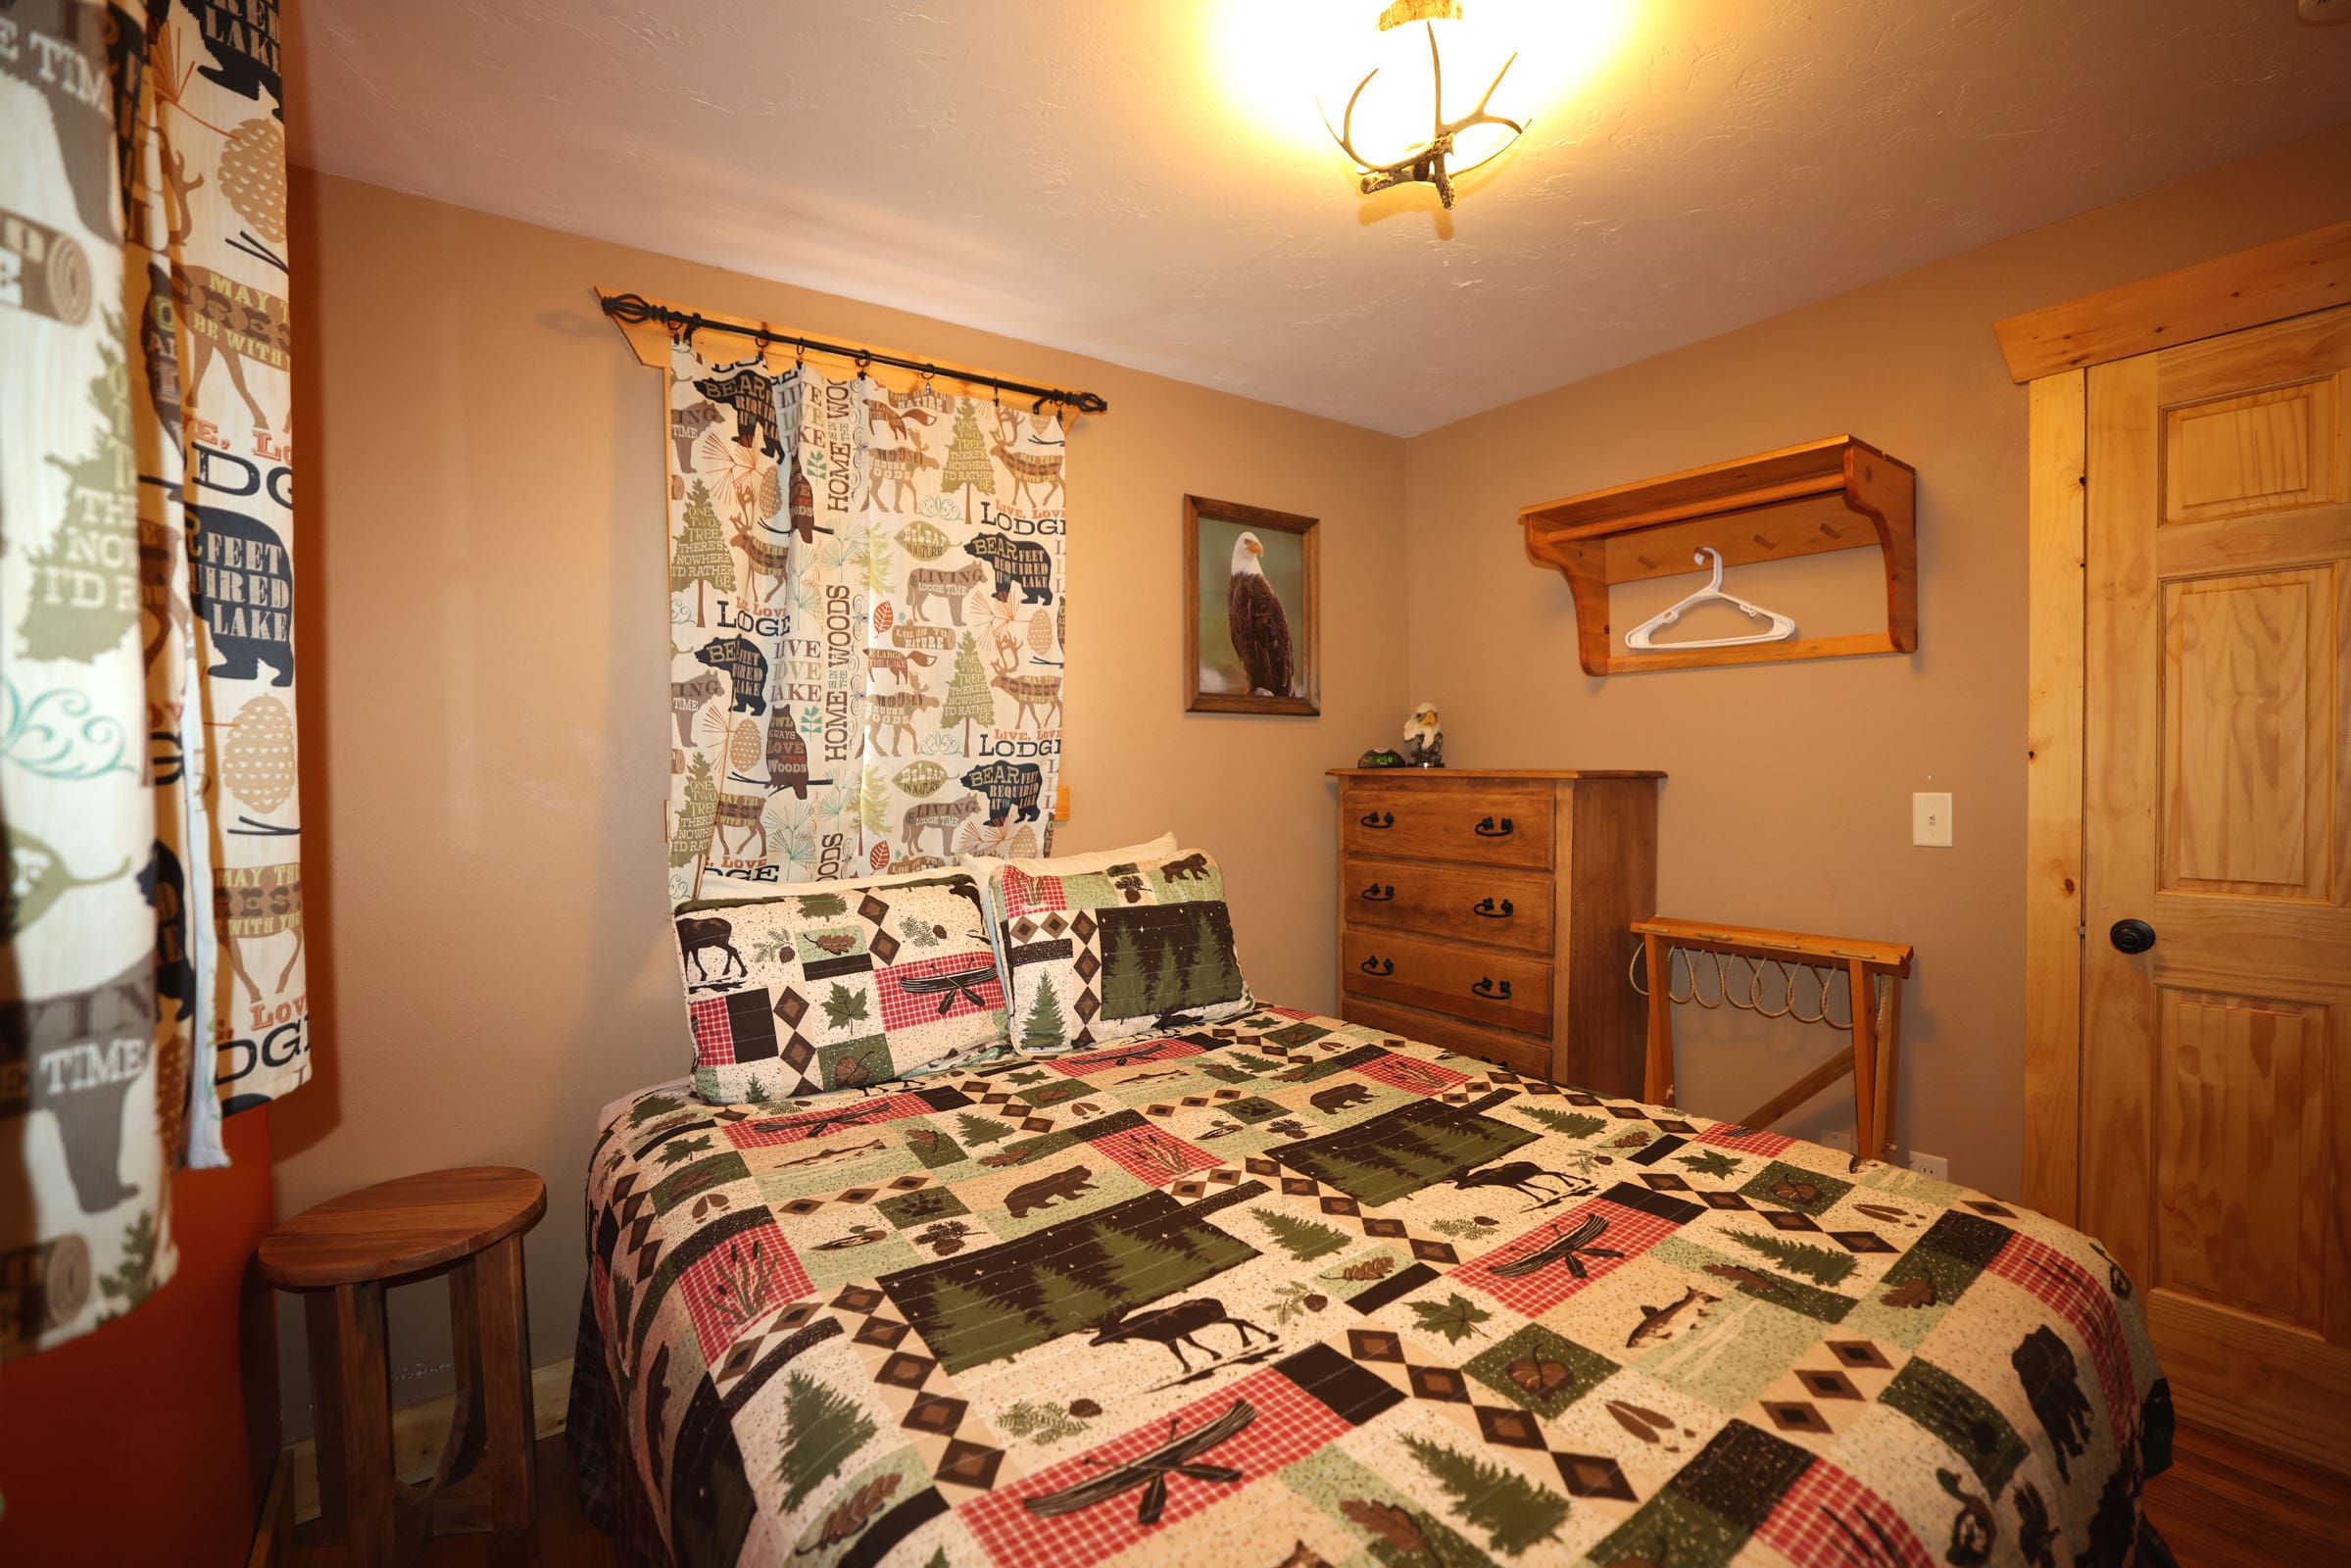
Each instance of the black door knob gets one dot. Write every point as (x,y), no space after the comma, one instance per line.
(2131,936)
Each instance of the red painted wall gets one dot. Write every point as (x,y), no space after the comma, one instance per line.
(149,1440)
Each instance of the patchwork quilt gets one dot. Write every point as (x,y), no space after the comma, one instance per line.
(1289,1291)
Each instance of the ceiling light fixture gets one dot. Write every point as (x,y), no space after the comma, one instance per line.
(1453,147)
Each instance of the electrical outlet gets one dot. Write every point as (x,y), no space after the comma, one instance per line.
(1933,1165)
(1930,821)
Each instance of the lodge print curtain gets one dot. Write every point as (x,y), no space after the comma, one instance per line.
(152,973)
(866,618)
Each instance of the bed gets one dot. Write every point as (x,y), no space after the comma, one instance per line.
(1287,1291)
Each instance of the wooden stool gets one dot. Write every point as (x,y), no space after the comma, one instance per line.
(342,1253)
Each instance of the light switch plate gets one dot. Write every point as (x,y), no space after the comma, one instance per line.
(1930,821)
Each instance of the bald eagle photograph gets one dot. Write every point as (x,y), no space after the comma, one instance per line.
(1251,625)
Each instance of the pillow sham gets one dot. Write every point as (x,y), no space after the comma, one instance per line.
(980,866)
(1104,955)
(983,866)
(836,985)
(719,887)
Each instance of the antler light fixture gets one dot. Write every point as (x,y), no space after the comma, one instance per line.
(1452,147)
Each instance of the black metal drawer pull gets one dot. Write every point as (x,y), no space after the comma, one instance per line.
(1382,820)
(1378,894)
(1486,907)
(1489,989)
(1379,967)
(1487,831)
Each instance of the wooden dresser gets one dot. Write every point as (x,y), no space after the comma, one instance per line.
(1488,912)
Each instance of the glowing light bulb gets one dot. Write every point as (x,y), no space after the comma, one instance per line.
(1424,65)
(1290,68)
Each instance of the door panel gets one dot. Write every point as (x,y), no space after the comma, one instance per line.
(2259,452)
(2248,675)
(2215,1141)
(2241,1154)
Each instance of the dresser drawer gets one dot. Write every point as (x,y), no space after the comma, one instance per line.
(1483,824)
(1531,1057)
(1501,989)
(1508,908)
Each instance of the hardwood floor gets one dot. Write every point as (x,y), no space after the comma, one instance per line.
(561,1538)
(2221,1506)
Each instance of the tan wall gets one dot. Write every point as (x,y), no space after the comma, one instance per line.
(1789,798)
(481,579)
(482,623)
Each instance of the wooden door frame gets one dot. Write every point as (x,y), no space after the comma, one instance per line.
(2050,351)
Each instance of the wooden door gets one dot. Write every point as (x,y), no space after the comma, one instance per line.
(2215,1121)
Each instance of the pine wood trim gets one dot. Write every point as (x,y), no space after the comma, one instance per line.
(2058,465)
(420,1431)
(2294,276)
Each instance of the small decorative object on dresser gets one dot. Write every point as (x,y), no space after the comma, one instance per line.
(1426,736)
(1485,912)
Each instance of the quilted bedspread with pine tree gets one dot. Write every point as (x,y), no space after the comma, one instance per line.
(1291,1291)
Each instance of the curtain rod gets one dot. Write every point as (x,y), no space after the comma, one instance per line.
(636,308)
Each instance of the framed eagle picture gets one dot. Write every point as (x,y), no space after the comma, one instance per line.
(1251,644)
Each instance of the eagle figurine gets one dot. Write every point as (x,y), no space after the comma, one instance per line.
(1260,625)
(1428,740)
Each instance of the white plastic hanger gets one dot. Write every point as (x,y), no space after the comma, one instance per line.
(1640,637)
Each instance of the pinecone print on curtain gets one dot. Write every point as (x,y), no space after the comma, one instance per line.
(882,598)
(148,745)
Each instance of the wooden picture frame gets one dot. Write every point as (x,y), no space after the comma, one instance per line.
(1223,522)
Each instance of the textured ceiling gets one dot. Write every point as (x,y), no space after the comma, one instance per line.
(1081,174)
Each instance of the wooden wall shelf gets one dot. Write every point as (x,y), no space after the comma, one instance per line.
(1835,494)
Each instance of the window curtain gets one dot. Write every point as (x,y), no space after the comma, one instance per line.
(866,618)
(147,733)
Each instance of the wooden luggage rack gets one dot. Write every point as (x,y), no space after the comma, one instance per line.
(1872,979)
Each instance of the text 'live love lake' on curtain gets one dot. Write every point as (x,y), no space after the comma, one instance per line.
(151,973)
(866,622)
